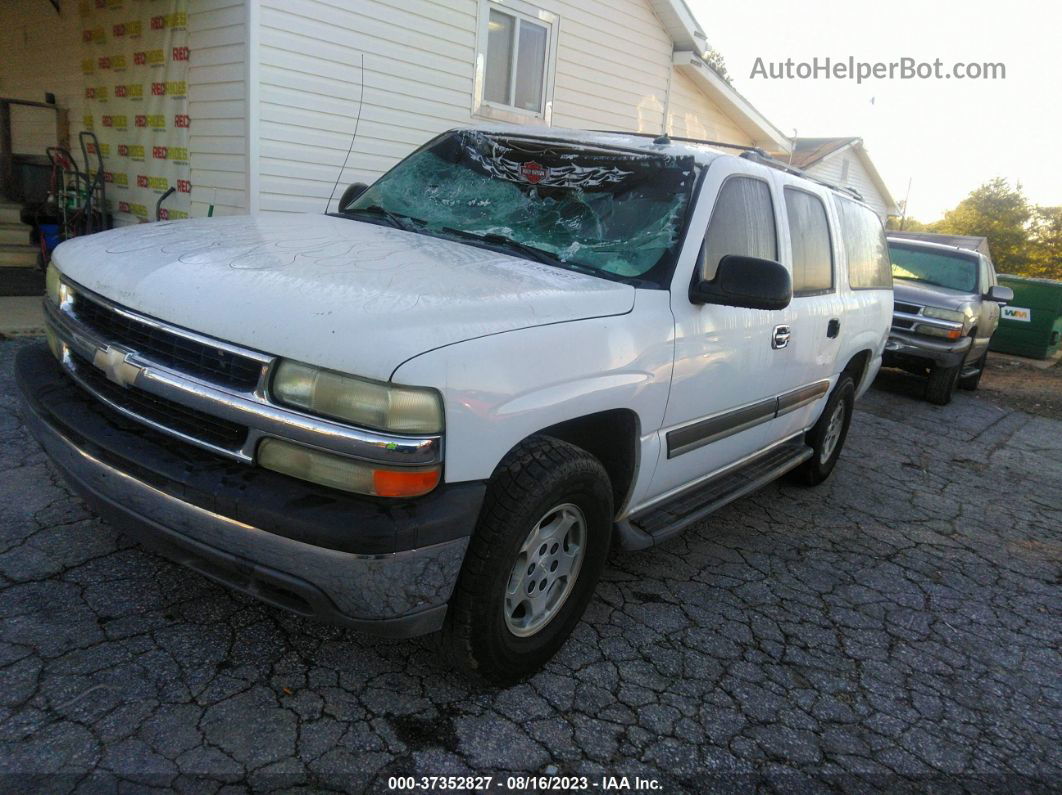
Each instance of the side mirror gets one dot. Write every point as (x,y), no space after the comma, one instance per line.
(351,193)
(1000,294)
(747,282)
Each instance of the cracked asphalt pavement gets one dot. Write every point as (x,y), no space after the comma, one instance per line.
(897,627)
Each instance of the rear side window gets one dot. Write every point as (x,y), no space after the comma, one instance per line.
(869,267)
(809,232)
(742,223)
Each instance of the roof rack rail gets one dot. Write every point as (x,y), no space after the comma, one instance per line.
(666,139)
(772,162)
(748,152)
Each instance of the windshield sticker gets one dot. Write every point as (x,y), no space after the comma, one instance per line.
(534,173)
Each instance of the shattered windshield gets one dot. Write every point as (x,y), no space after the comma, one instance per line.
(613,212)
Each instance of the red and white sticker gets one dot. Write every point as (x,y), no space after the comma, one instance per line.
(533,172)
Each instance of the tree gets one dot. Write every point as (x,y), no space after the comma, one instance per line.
(1045,244)
(714,59)
(1000,213)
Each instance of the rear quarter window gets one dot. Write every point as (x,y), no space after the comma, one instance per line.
(863,238)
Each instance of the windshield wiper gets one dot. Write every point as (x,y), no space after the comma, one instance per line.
(501,241)
(406,223)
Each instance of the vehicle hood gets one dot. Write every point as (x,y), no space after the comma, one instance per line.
(350,295)
(912,292)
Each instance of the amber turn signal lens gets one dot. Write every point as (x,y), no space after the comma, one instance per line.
(399,483)
(340,472)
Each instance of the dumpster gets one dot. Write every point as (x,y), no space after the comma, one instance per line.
(1031,324)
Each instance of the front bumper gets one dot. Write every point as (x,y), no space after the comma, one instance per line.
(386,567)
(903,347)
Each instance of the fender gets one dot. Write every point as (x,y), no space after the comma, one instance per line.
(500,389)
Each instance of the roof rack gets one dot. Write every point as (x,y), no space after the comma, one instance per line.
(760,157)
(666,139)
(753,153)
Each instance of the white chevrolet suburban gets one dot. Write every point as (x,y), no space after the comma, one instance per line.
(441,406)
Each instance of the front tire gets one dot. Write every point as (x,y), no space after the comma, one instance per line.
(826,437)
(534,559)
(941,384)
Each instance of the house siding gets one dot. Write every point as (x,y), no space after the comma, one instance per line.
(829,169)
(217,106)
(693,115)
(40,51)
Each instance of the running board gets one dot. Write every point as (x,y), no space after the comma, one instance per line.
(661,522)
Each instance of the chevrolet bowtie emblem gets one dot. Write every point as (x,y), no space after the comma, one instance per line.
(112,361)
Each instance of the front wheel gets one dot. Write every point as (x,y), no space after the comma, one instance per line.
(533,561)
(941,384)
(826,437)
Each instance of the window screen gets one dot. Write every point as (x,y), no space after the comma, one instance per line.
(498,78)
(516,61)
(809,232)
(865,248)
(742,223)
(530,64)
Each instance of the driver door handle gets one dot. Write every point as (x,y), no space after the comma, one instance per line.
(780,338)
(833,328)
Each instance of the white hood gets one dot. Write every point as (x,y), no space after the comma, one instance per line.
(350,295)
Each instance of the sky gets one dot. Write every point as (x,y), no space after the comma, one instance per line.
(945,136)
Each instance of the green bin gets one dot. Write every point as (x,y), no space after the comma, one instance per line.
(1031,324)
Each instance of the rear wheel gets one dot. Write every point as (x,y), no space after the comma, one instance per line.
(533,561)
(826,438)
(941,384)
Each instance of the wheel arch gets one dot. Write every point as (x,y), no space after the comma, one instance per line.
(857,367)
(611,436)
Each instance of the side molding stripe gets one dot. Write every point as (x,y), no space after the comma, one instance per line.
(702,432)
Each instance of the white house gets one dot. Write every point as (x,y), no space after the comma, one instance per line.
(255,100)
(846,163)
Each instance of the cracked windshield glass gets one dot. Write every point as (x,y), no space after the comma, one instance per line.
(615,213)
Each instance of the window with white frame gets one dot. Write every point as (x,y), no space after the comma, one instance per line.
(517,50)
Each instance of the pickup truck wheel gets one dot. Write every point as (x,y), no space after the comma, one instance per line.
(970,382)
(826,437)
(534,559)
(941,384)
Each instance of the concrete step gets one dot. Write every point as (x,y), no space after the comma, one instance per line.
(14,234)
(9,213)
(21,281)
(18,256)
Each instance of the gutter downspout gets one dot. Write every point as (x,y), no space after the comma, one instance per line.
(666,123)
(252,21)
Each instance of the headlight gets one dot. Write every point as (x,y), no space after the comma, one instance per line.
(338,472)
(396,409)
(944,314)
(54,288)
(52,283)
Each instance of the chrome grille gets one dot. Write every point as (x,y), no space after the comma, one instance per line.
(181,353)
(184,420)
(910,309)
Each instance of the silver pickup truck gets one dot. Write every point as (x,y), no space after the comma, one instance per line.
(946,310)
